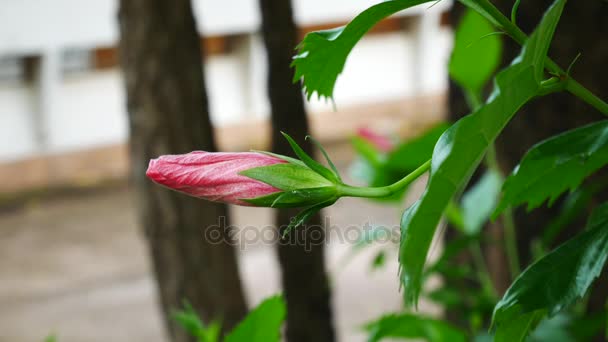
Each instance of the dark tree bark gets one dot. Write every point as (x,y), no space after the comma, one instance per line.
(301,254)
(583,28)
(167,105)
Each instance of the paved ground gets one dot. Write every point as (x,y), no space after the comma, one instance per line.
(77,266)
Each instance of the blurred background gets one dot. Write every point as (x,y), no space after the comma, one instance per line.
(73,254)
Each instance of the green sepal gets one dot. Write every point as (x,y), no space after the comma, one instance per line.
(329,162)
(310,162)
(294,198)
(304,215)
(287,176)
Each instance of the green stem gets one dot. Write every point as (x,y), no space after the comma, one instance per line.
(511,243)
(383,191)
(482,271)
(520,37)
(581,92)
(507,221)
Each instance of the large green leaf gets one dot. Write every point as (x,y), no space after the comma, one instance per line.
(559,278)
(263,324)
(322,54)
(461,148)
(476,54)
(413,326)
(555,165)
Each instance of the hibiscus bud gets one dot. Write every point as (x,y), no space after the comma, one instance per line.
(381,142)
(247,178)
(213,176)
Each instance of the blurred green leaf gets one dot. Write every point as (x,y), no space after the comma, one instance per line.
(189,320)
(322,54)
(479,202)
(369,236)
(476,54)
(413,326)
(377,168)
(462,147)
(555,165)
(379,260)
(574,205)
(558,279)
(554,329)
(263,324)
(412,153)
(51,338)
(516,330)
(449,298)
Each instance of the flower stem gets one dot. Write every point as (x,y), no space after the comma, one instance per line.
(383,191)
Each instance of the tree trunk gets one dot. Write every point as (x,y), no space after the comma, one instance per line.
(167,105)
(301,254)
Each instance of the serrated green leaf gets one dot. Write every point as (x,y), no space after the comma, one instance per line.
(413,326)
(263,324)
(476,54)
(556,165)
(554,282)
(479,202)
(287,176)
(310,162)
(462,147)
(322,54)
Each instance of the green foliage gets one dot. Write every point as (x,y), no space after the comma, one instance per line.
(555,281)
(476,53)
(555,165)
(322,54)
(406,325)
(379,168)
(517,329)
(461,148)
(412,153)
(51,338)
(263,324)
(311,163)
(479,202)
(189,320)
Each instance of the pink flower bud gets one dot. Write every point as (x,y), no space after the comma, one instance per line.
(213,176)
(381,142)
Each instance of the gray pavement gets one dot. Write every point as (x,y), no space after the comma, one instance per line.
(77,266)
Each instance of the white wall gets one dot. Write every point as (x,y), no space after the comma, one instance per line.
(87,109)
